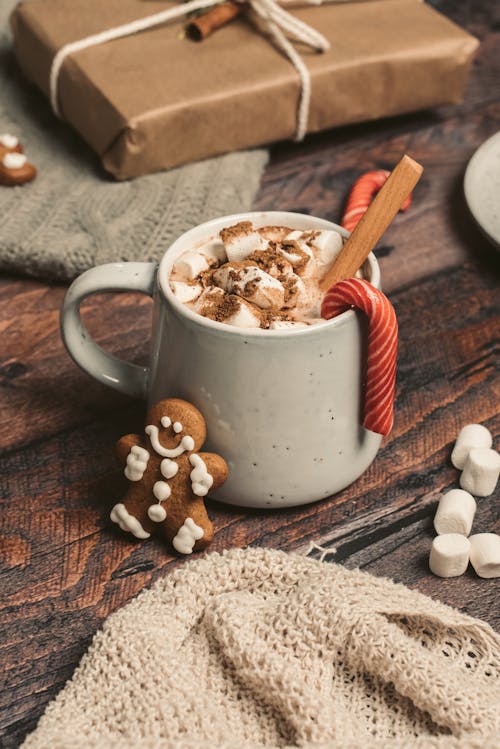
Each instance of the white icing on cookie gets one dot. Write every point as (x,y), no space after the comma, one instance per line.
(177,427)
(165,421)
(161,490)
(127,522)
(201,480)
(137,461)
(157,513)
(14,160)
(186,443)
(186,537)
(8,141)
(168,468)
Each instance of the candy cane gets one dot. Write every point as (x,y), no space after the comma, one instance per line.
(382,346)
(361,196)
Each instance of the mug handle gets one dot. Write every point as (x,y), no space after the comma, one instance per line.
(108,369)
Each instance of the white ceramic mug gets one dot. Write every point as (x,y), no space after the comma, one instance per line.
(283,407)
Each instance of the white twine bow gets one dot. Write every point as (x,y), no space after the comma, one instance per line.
(277,21)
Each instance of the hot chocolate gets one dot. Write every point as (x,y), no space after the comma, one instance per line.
(251,277)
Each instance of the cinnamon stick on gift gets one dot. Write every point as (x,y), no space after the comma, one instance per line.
(202,26)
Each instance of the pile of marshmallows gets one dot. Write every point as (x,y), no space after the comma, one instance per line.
(451,550)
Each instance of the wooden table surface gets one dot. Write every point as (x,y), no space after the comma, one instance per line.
(64,568)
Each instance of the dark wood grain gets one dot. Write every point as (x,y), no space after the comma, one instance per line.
(64,569)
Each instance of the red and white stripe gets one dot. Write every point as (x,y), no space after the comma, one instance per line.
(382,346)
(361,196)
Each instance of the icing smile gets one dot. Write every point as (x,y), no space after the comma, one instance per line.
(186,443)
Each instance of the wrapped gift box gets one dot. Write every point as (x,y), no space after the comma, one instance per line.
(156,99)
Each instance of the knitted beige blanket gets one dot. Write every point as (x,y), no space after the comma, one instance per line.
(257,648)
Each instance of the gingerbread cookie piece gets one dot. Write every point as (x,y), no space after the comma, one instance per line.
(169,478)
(15,169)
(9,144)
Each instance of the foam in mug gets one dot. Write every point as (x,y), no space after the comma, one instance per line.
(257,278)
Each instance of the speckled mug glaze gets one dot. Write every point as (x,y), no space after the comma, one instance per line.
(284,407)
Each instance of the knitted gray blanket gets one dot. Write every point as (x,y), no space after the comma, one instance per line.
(73,216)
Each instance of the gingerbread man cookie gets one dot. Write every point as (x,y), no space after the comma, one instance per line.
(169,477)
(14,166)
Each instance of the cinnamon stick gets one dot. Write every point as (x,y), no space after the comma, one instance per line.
(375,221)
(219,15)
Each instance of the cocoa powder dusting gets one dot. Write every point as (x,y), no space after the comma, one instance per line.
(272,262)
(292,246)
(268,316)
(276,233)
(233,232)
(290,286)
(206,278)
(250,288)
(310,236)
(236,266)
(227,307)
(220,306)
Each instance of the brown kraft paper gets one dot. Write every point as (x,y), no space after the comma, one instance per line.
(156,100)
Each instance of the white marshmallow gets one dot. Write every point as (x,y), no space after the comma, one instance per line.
(328,245)
(215,251)
(273,233)
(190,264)
(294,258)
(287,325)
(471,435)
(449,555)
(295,234)
(14,160)
(485,554)
(267,292)
(186,292)
(240,244)
(245,317)
(455,513)
(8,141)
(210,294)
(299,296)
(279,268)
(481,471)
